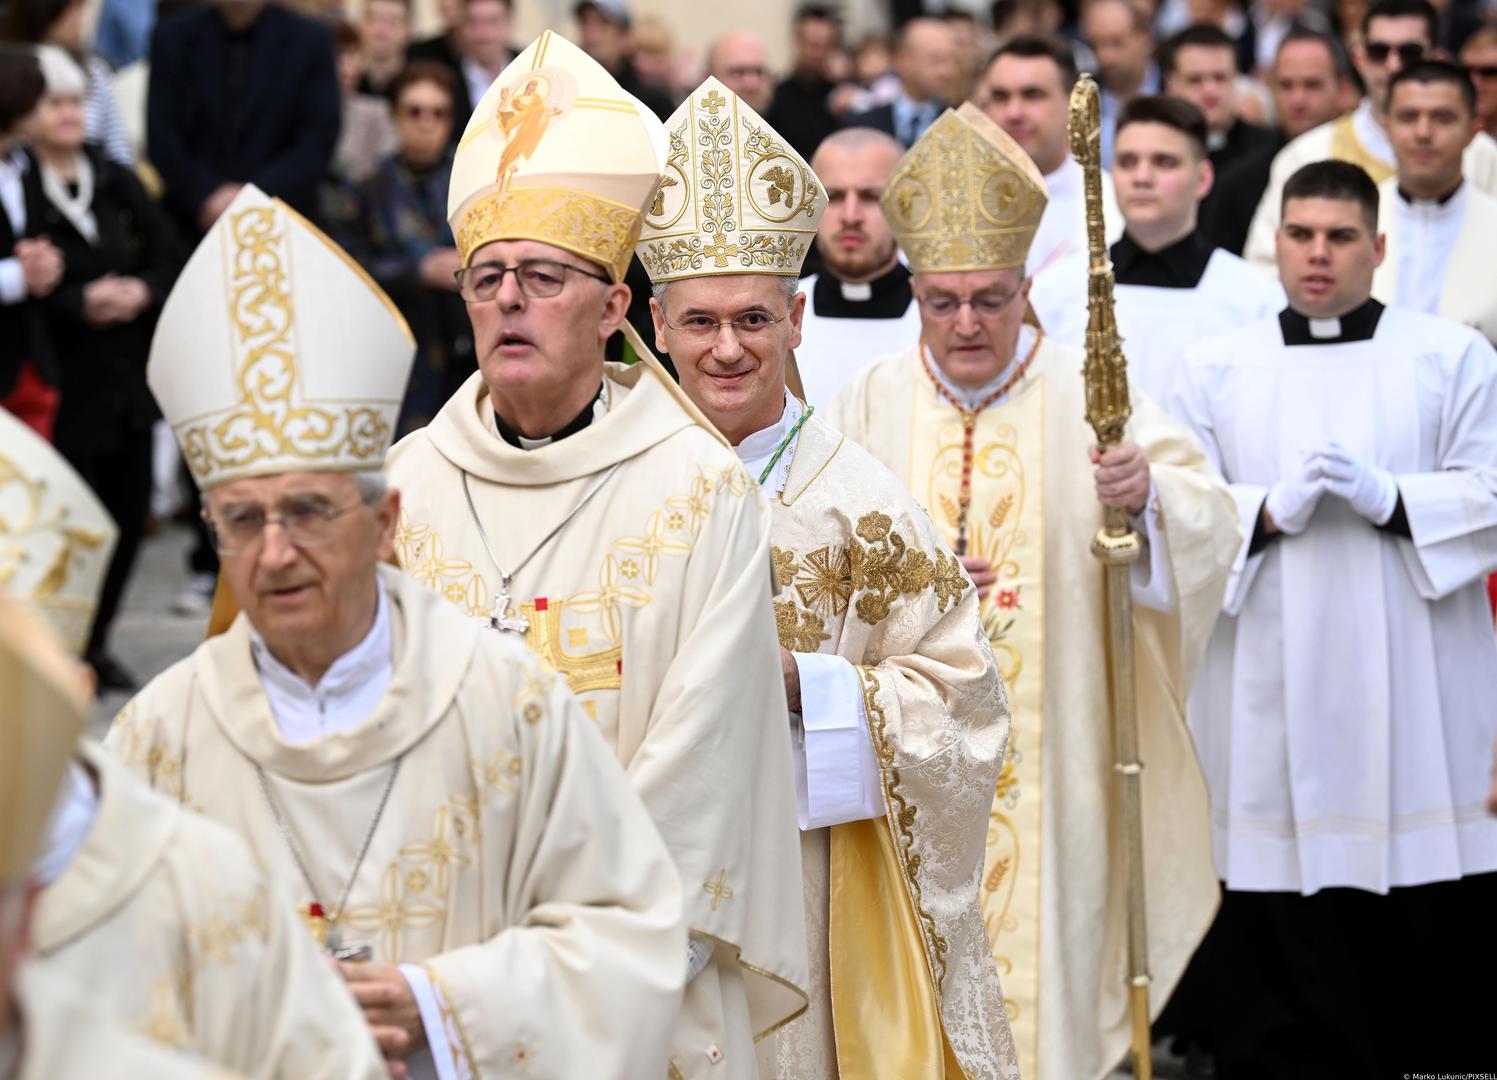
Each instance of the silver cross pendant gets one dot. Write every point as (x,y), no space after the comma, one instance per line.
(501,619)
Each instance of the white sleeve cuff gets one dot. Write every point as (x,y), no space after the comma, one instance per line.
(1153,584)
(838,778)
(436,1061)
(12,281)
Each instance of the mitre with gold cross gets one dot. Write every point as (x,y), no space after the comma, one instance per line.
(42,713)
(55,535)
(276,352)
(734,197)
(965,197)
(556,151)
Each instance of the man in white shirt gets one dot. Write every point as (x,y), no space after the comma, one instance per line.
(860,305)
(1440,230)
(1344,709)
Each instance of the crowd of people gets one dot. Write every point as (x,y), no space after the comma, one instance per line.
(650,502)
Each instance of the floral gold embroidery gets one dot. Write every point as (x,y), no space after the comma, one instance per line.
(885,568)
(784,565)
(825,580)
(800,631)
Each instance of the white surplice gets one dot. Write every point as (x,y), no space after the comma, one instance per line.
(1063,224)
(832,350)
(1344,714)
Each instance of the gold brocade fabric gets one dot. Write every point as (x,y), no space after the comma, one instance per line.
(1008,521)
(1345,146)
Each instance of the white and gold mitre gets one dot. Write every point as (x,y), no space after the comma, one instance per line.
(556,151)
(55,535)
(276,352)
(734,198)
(42,712)
(965,197)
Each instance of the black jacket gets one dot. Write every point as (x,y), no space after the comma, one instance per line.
(23,334)
(259,107)
(439,50)
(103,369)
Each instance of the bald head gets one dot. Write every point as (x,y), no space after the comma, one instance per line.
(740,62)
(925,57)
(854,166)
(857,140)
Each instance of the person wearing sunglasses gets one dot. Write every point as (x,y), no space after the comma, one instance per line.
(1395,34)
(984,421)
(1479,55)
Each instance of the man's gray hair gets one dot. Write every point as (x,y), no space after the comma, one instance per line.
(661,289)
(372,485)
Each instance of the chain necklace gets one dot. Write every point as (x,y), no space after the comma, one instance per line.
(334,943)
(778,450)
(969,423)
(501,619)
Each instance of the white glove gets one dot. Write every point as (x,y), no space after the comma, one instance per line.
(1292,500)
(1372,492)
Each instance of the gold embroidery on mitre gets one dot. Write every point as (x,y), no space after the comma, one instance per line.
(965,197)
(593,227)
(270,421)
(733,197)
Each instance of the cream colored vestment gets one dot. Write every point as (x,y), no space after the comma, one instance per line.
(652,602)
(1053,892)
(511,862)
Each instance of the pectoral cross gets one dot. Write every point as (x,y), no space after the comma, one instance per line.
(500,618)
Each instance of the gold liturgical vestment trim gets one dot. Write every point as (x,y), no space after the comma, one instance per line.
(1345,146)
(1007,528)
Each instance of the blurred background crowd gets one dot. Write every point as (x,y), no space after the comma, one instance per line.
(149,114)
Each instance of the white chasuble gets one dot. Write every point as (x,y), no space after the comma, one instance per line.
(510,861)
(898,947)
(1053,890)
(651,600)
(1345,713)
(179,937)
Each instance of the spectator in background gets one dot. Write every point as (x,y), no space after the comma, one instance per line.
(971,41)
(655,57)
(366,135)
(241,92)
(739,61)
(60,23)
(446,49)
(604,27)
(121,258)
(1273,19)
(486,51)
(385,33)
(123,35)
(1118,33)
(925,58)
(1311,82)
(1479,54)
(800,111)
(30,268)
(401,237)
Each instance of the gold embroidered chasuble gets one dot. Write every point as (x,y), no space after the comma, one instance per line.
(1053,892)
(511,861)
(652,602)
(899,954)
(179,937)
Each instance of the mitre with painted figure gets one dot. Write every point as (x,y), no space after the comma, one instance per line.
(276,352)
(734,197)
(55,535)
(556,151)
(965,197)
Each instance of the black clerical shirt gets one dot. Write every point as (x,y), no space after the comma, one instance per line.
(889,296)
(1179,266)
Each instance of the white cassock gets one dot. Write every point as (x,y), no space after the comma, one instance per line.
(509,870)
(849,324)
(178,935)
(1344,714)
(1358,138)
(1439,255)
(1063,225)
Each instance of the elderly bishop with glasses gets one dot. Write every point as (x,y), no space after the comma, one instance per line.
(591,511)
(898,715)
(441,811)
(984,420)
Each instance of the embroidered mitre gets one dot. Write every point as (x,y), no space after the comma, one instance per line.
(734,197)
(42,713)
(55,535)
(965,197)
(556,151)
(276,352)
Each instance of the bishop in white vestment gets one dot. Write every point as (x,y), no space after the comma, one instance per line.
(899,716)
(591,511)
(439,808)
(1003,467)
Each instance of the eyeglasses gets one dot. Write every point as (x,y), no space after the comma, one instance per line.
(747,71)
(537,279)
(423,112)
(944,306)
(1484,71)
(306,520)
(746,324)
(1410,52)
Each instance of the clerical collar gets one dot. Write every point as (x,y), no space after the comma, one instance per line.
(972,397)
(593,410)
(1358,325)
(885,297)
(1216,140)
(1179,266)
(756,450)
(1442,201)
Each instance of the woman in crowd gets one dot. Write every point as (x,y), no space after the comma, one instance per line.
(120,258)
